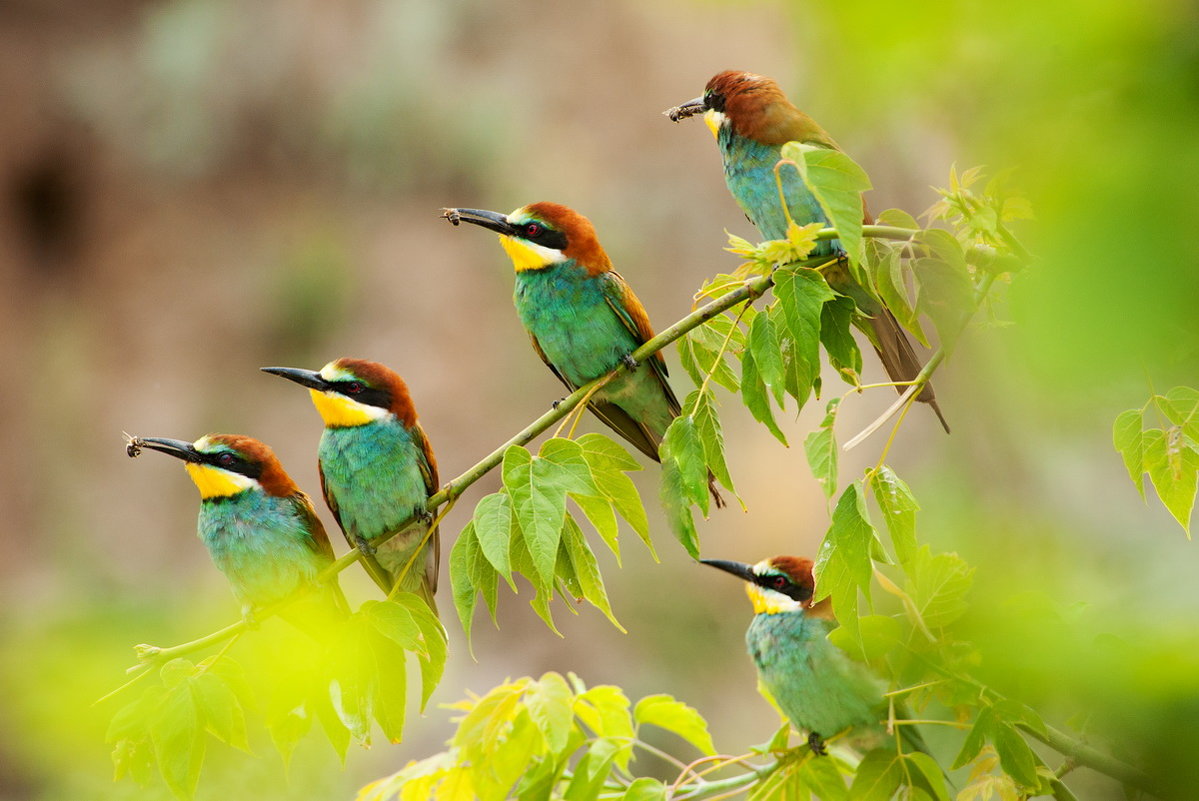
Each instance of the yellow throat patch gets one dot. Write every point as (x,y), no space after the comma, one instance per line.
(339,411)
(528,256)
(769,603)
(216,483)
(713,120)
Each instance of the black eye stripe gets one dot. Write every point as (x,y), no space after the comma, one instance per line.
(545,236)
(366,395)
(234,463)
(789,588)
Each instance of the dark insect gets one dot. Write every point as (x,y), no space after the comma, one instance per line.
(451,215)
(133,446)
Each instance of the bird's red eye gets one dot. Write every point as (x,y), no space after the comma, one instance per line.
(778,583)
(533,229)
(355,387)
(225,459)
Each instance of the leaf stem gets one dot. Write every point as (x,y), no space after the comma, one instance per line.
(731,785)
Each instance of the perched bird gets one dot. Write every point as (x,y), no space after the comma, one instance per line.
(752,119)
(377,469)
(259,528)
(818,687)
(583,319)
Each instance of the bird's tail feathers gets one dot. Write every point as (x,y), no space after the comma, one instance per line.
(900,360)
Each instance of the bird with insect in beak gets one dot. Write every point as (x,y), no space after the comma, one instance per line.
(259,528)
(817,686)
(583,318)
(752,119)
(377,470)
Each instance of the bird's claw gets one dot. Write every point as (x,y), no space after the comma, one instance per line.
(422,514)
(557,403)
(364,546)
(816,743)
(628,361)
(249,619)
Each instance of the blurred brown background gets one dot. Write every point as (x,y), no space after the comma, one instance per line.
(192,189)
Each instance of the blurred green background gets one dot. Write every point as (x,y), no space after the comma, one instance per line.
(192,189)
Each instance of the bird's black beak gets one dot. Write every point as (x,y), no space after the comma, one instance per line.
(174,447)
(738,569)
(689,109)
(491,220)
(305,378)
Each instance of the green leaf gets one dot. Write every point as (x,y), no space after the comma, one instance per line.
(838,341)
(570,467)
(220,709)
(395,622)
(1181,407)
(682,446)
(843,565)
(677,506)
(946,292)
(899,508)
(602,516)
(822,776)
(763,343)
(701,407)
(927,775)
(886,268)
(1128,439)
(538,493)
(675,716)
(897,218)
(877,636)
(609,462)
(645,789)
(551,706)
(586,570)
(878,776)
(706,343)
(384,676)
(1173,468)
(821,449)
(176,731)
(938,586)
(976,738)
(753,395)
(465,592)
(433,636)
(605,710)
(801,295)
(493,522)
(838,183)
(1016,758)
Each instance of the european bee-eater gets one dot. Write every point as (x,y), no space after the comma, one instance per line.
(259,528)
(583,318)
(818,687)
(752,119)
(377,469)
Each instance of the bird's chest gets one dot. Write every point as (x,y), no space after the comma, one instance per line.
(373,473)
(749,171)
(816,685)
(567,312)
(259,543)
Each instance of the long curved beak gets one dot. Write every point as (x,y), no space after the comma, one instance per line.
(689,109)
(491,220)
(305,378)
(173,447)
(738,569)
